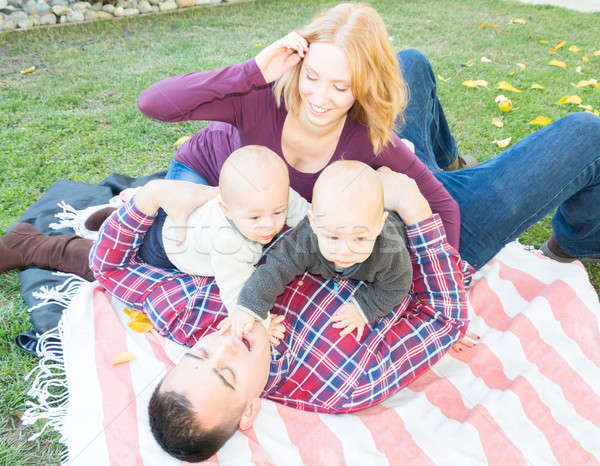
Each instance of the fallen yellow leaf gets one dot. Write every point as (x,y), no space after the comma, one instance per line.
(28,70)
(503,85)
(486,60)
(574,48)
(560,64)
(258,44)
(495,25)
(589,108)
(130,312)
(504,104)
(520,21)
(469,63)
(123,356)
(540,121)
(559,44)
(482,25)
(597,86)
(181,140)
(597,52)
(441,78)
(572,99)
(522,65)
(544,42)
(583,83)
(477,83)
(552,50)
(578,69)
(585,59)
(502,143)
(497,122)
(140,327)
(536,86)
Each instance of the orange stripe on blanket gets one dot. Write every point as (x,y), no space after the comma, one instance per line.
(498,448)
(157,344)
(259,456)
(316,443)
(391,437)
(565,447)
(548,361)
(118,399)
(581,327)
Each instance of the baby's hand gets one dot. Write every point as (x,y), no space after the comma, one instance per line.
(276,329)
(238,323)
(348,318)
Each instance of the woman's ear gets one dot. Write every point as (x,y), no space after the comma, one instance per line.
(249,414)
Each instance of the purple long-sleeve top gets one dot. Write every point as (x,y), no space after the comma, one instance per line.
(239,96)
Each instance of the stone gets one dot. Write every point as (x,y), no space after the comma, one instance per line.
(118,12)
(62,19)
(144,6)
(24,23)
(48,19)
(35,21)
(104,15)
(33,10)
(153,2)
(17,16)
(203,2)
(167,6)
(60,10)
(155,8)
(42,7)
(120,3)
(75,16)
(9,25)
(130,11)
(16,3)
(59,2)
(7,10)
(81,6)
(3,3)
(97,6)
(90,15)
(108,8)
(185,3)
(127,4)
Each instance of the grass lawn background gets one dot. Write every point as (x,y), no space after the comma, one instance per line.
(75,116)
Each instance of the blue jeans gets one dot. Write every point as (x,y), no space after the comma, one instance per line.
(152,250)
(557,167)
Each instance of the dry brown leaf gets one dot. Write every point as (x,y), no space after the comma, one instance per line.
(123,356)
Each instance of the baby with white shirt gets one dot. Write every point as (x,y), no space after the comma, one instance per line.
(225,236)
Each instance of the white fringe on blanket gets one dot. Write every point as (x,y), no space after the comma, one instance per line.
(49,392)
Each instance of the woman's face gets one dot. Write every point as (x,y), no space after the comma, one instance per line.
(324,86)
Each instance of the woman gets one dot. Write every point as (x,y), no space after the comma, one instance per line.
(332,90)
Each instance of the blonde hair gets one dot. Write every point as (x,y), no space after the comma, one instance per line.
(379,90)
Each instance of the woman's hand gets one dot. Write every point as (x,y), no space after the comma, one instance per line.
(281,55)
(402,195)
(177,198)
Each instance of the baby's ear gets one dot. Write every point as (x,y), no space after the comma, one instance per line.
(225,209)
(383,219)
(311,220)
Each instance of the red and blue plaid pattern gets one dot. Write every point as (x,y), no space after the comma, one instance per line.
(312,368)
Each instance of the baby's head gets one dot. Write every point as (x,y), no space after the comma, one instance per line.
(347,212)
(254,184)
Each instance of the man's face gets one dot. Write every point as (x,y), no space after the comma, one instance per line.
(222,372)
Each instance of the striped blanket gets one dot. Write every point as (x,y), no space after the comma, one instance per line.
(527,393)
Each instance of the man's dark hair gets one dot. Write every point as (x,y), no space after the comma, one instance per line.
(177,429)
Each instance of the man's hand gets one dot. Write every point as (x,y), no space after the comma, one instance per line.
(348,318)
(177,198)
(402,195)
(276,329)
(277,58)
(238,323)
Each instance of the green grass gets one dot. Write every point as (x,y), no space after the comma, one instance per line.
(76,117)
